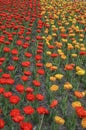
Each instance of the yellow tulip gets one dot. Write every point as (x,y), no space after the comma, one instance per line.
(53,26)
(59,120)
(54,88)
(66,23)
(80,72)
(82,45)
(59,76)
(55,16)
(70,47)
(58,44)
(49,37)
(48,65)
(46,31)
(63,30)
(63,57)
(55,29)
(52,22)
(61,53)
(74,42)
(74,55)
(83,49)
(47,42)
(77,46)
(71,34)
(76,104)
(74,21)
(43,37)
(81,35)
(83,123)
(80,39)
(78,68)
(77,27)
(59,50)
(83,93)
(64,40)
(68,86)
(52,78)
(48,52)
(54,34)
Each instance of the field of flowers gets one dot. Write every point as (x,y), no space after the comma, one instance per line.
(42,65)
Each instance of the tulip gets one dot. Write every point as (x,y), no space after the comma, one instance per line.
(68,86)
(53,68)
(59,120)
(79,94)
(83,123)
(78,68)
(58,76)
(77,46)
(63,57)
(54,103)
(80,72)
(48,53)
(74,55)
(76,104)
(54,88)
(52,78)
(83,49)
(48,65)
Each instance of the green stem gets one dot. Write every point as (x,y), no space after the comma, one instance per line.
(41,122)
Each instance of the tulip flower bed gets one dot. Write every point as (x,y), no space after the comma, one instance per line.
(42,65)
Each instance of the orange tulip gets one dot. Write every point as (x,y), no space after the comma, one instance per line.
(79,94)
(69,67)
